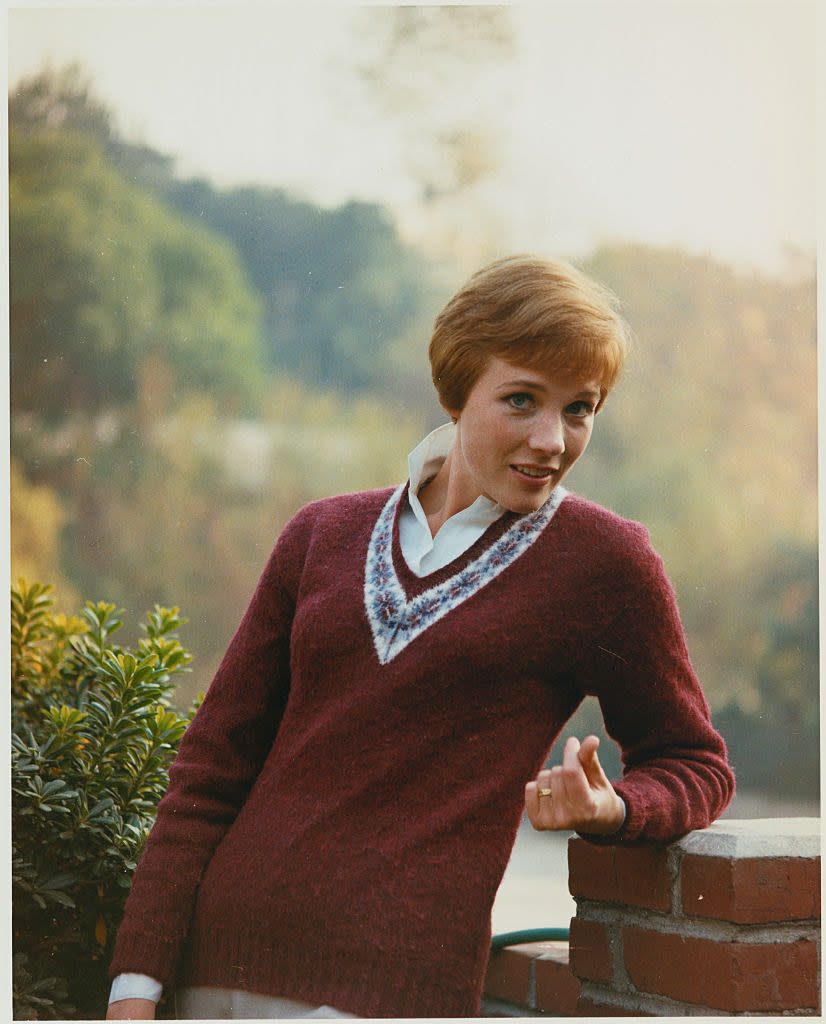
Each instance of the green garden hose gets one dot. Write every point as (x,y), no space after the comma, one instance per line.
(529,935)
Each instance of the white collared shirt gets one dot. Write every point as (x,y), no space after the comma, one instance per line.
(423,552)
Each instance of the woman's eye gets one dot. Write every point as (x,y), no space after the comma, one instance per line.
(580,409)
(520,400)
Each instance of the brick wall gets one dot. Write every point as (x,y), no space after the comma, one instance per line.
(724,921)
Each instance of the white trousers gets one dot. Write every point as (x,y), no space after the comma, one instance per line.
(202,1003)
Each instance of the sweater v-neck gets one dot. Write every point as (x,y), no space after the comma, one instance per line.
(413,584)
(400,605)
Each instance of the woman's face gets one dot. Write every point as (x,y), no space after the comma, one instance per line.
(519,433)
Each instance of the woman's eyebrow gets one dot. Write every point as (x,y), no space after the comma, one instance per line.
(535,384)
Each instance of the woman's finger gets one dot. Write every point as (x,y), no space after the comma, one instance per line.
(532,802)
(544,794)
(539,801)
(574,780)
(570,754)
(590,762)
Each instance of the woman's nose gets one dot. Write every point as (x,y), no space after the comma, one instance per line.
(548,435)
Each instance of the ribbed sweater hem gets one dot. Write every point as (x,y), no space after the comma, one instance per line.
(361,981)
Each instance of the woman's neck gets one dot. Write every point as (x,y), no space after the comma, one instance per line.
(442,496)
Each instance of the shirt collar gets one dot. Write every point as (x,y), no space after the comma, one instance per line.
(425,461)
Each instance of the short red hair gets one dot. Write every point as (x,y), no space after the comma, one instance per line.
(539,313)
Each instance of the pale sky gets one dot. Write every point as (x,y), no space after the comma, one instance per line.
(689,124)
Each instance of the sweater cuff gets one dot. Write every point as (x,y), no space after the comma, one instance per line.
(135,986)
(140,952)
(608,838)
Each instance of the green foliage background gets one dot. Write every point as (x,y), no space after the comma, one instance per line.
(191,365)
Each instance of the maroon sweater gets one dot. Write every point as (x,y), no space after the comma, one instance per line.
(343,806)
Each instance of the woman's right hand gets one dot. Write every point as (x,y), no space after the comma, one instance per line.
(131,1009)
(576,794)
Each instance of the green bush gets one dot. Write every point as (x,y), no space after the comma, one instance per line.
(92,739)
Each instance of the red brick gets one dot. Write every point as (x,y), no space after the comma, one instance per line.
(752,889)
(636,876)
(557,990)
(590,952)
(509,975)
(589,1008)
(734,976)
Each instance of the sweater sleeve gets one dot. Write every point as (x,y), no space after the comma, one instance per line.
(218,760)
(676,776)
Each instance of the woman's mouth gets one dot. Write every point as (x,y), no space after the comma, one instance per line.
(540,473)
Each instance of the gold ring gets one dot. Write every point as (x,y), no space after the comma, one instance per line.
(544,792)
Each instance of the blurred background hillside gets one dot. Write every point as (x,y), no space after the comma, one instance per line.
(199,348)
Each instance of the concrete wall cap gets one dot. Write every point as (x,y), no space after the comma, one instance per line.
(755,837)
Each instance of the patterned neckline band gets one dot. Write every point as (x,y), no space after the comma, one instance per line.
(394,620)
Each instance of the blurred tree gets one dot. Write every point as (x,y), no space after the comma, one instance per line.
(787,596)
(339,287)
(343,298)
(64,98)
(190,510)
(104,278)
(715,421)
(61,98)
(125,408)
(36,520)
(439,77)
(425,67)
(773,725)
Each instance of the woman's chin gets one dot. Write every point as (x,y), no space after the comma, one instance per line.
(524,504)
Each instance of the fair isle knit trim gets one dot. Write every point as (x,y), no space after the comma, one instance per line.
(394,620)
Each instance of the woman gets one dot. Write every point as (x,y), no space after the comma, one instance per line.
(343,806)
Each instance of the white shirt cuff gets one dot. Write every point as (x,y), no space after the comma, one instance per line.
(135,986)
